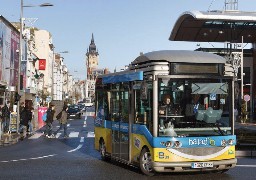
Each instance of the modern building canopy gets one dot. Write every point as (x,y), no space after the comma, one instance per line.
(215,26)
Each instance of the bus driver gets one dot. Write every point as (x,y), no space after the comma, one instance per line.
(167,105)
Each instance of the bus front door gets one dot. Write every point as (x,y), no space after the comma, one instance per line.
(120,133)
(120,141)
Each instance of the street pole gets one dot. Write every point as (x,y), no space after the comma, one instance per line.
(20,59)
(242,70)
(21,54)
(53,64)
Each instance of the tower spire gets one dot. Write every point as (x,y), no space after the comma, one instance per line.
(92,48)
(92,40)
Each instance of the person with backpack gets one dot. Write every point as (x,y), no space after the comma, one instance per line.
(6,118)
(49,120)
(63,119)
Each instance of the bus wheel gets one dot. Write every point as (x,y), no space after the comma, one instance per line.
(145,162)
(102,150)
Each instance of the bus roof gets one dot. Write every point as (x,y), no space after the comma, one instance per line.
(185,56)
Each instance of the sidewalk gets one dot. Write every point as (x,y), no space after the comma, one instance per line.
(246,139)
(9,139)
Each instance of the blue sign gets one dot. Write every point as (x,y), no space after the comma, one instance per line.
(212,97)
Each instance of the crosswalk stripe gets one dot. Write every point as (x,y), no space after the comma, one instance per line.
(90,113)
(68,125)
(36,136)
(58,135)
(73,134)
(90,134)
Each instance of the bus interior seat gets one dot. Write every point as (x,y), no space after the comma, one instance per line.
(200,115)
(211,116)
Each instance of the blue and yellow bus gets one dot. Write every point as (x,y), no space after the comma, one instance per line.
(194,131)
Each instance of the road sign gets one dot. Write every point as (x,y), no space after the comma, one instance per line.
(247,97)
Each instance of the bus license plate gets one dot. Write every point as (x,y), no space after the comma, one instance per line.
(202,165)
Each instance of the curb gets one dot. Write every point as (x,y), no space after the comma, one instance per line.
(9,139)
(246,153)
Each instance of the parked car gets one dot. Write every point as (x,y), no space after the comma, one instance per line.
(82,107)
(74,112)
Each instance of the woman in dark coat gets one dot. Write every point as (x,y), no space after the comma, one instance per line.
(24,119)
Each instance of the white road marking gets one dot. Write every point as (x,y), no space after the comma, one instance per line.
(85,124)
(79,146)
(73,134)
(36,136)
(58,135)
(246,165)
(90,134)
(68,125)
(41,157)
(82,140)
(90,113)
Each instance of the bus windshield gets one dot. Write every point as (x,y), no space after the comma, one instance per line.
(194,107)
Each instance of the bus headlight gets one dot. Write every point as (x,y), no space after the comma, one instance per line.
(230,142)
(168,144)
(223,142)
(177,144)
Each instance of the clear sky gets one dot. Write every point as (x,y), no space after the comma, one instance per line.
(122,28)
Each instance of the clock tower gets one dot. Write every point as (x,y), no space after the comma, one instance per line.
(92,60)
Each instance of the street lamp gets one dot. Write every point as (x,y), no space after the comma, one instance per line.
(20,49)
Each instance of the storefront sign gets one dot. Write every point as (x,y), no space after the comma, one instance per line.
(13,122)
(42,64)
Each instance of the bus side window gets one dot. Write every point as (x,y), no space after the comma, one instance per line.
(143,108)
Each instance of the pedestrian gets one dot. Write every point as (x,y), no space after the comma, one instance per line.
(30,124)
(6,118)
(24,119)
(63,120)
(49,120)
(1,121)
(22,106)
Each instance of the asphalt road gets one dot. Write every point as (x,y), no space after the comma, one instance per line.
(75,158)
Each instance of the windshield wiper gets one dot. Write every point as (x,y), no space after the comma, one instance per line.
(220,131)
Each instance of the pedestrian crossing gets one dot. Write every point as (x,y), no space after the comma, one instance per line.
(60,135)
(71,132)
